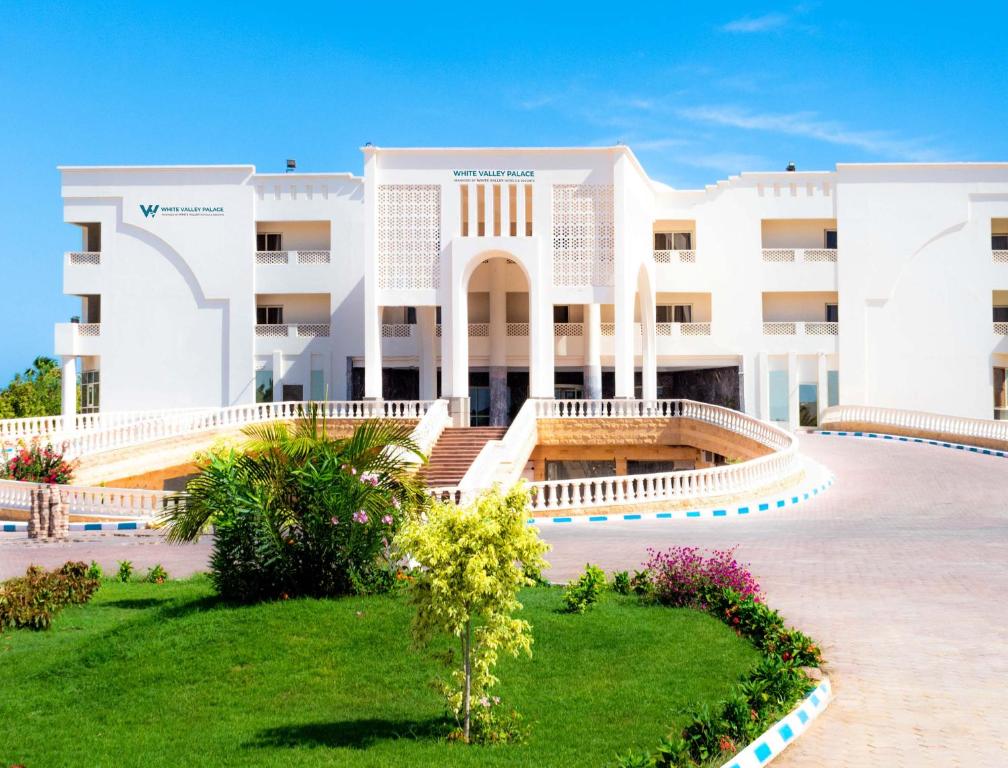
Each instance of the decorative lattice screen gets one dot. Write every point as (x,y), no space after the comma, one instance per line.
(409,235)
(583,234)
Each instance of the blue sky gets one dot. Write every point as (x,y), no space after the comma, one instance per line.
(699,90)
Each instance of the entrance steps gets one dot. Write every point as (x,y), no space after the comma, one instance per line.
(454,452)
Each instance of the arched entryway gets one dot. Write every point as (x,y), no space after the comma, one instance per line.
(497,338)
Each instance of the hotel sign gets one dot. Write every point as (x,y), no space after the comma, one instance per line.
(150,210)
(492,175)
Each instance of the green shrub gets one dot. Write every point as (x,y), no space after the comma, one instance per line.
(621,583)
(125,572)
(634,759)
(156,575)
(583,593)
(95,571)
(296,512)
(472,561)
(33,600)
(642,585)
(704,735)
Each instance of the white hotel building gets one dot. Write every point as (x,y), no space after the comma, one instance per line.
(485,276)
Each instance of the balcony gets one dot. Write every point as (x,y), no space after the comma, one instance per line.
(82,272)
(675,256)
(83,258)
(800,328)
(999,256)
(292,257)
(77,339)
(285,330)
(1000,329)
(793,255)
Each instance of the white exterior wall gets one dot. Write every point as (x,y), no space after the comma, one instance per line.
(914,277)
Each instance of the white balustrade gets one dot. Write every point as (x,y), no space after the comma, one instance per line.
(313,257)
(397,330)
(317,256)
(517,329)
(999,256)
(144,429)
(686,256)
(84,258)
(1001,329)
(429,428)
(682,329)
(799,328)
(88,330)
(914,422)
(791,255)
(568,329)
(97,501)
(313,329)
(479,330)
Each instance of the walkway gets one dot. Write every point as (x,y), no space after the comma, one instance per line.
(900,570)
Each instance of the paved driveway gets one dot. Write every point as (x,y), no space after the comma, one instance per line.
(900,570)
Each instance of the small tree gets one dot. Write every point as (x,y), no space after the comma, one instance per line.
(473,560)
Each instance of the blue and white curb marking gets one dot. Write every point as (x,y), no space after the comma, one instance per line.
(924,440)
(132,525)
(799,494)
(785,731)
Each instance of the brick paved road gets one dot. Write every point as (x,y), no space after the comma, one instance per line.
(900,570)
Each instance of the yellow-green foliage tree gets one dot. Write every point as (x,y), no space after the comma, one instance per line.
(473,560)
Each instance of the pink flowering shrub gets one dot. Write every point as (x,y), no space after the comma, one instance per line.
(685,576)
(37,464)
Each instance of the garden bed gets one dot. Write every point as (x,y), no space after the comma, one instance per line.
(166,675)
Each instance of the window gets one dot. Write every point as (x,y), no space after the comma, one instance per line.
(268,241)
(829,239)
(464,203)
(832,388)
(264,386)
(673,241)
(410,315)
(808,405)
(293,393)
(528,210)
(999,242)
(89,399)
(674,313)
(778,384)
(561,313)
(1001,314)
(513,210)
(269,315)
(832,313)
(317,383)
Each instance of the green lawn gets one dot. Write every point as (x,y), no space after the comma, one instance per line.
(150,675)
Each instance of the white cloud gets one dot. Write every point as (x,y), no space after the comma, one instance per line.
(808,125)
(764,23)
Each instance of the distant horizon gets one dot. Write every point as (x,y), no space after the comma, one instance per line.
(698,96)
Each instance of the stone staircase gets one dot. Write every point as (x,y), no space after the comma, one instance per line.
(454,453)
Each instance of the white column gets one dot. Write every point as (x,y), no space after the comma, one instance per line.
(428,366)
(498,343)
(792,385)
(541,343)
(593,355)
(520,210)
(278,377)
(69,386)
(474,212)
(764,385)
(822,386)
(372,354)
(625,286)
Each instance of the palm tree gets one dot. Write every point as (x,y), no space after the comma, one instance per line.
(296,511)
